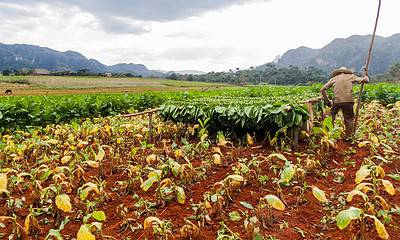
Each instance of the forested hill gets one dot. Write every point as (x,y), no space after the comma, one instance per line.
(18,56)
(350,52)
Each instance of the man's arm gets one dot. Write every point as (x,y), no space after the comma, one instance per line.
(324,94)
(364,79)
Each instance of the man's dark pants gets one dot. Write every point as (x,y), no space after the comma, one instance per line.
(348,113)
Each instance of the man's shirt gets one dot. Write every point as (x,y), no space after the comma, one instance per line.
(342,87)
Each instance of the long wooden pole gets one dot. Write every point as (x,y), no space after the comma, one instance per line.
(367,65)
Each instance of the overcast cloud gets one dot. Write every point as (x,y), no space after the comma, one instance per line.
(189,34)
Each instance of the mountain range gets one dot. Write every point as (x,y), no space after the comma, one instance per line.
(18,56)
(350,52)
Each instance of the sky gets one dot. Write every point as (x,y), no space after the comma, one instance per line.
(205,35)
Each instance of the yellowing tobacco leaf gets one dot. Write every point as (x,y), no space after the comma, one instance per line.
(63,203)
(364,187)
(99,215)
(249,139)
(380,228)
(374,140)
(3,181)
(180,195)
(178,153)
(275,202)
(27,224)
(388,187)
(380,171)
(53,141)
(363,144)
(150,220)
(100,155)
(217,159)
(92,164)
(65,159)
(151,159)
(362,174)
(86,189)
(319,194)
(85,234)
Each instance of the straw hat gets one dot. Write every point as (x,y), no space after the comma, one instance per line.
(340,70)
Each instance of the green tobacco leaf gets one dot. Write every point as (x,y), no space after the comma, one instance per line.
(99,215)
(346,216)
(234,216)
(287,174)
(146,185)
(247,205)
(394,176)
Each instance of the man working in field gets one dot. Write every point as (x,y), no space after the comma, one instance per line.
(342,80)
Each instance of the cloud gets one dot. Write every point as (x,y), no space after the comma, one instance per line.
(135,16)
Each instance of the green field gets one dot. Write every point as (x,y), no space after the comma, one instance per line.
(59,85)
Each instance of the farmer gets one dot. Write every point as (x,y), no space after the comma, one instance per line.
(342,80)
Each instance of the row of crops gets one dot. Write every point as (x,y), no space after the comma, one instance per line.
(242,108)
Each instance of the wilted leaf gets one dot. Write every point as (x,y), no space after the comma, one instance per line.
(151,159)
(380,171)
(65,159)
(275,202)
(85,234)
(394,176)
(149,220)
(92,164)
(364,187)
(180,195)
(100,155)
(63,203)
(234,216)
(346,216)
(388,187)
(362,173)
(27,224)
(354,193)
(99,215)
(236,178)
(247,205)
(319,194)
(217,159)
(86,189)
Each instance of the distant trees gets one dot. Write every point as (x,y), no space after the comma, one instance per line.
(268,73)
(392,75)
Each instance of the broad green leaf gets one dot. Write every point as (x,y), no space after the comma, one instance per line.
(287,174)
(394,176)
(275,202)
(146,185)
(362,173)
(63,203)
(85,234)
(180,195)
(346,216)
(319,194)
(247,205)
(99,216)
(234,216)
